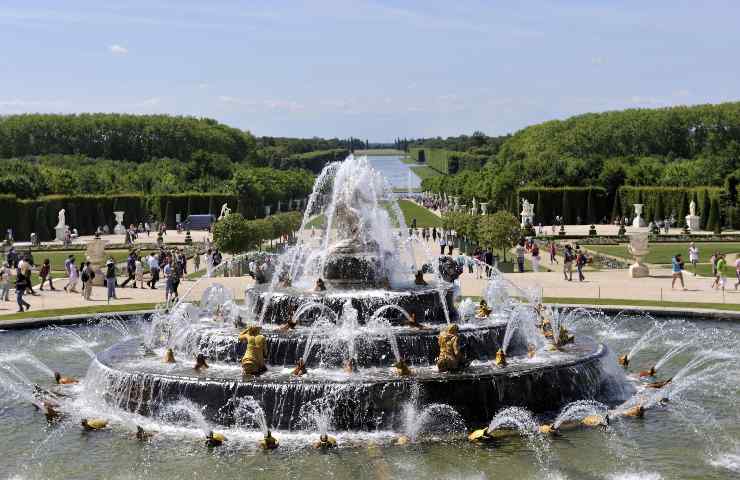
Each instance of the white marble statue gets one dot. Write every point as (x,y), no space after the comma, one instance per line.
(225,211)
(527,212)
(62,219)
(692,208)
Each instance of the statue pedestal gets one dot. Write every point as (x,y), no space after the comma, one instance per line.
(96,256)
(639,270)
(693,222)
(59,232)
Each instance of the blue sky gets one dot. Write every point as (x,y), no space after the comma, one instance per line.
(371,69)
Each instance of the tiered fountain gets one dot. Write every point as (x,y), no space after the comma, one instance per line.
(352,304)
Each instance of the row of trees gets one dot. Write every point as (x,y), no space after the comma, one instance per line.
(33,177)
(235,234)
(499,230)
(677,146)
(136,138)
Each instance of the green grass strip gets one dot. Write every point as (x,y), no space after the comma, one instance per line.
(91,310)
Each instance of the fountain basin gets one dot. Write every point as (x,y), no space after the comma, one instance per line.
(419,347)
(425,302)
(369,399)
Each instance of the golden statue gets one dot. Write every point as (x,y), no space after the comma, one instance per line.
(500,360)
(411,322)
(253,361)
(402,368)
(623,360)
(169,356)
(300,368)
(531,350)
(269,442)
(482,311)
(325,442)
(450,356)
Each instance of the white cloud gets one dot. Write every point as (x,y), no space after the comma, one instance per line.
(116,49)
(598,60)
(269,105)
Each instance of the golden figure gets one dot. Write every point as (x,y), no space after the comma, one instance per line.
(169,356)
(402,368)
(253,361)
(200,362)
(325,442)
(419,278)
(482,311)
(623,360)
(94,424)
(64,380)
(450,356)
(500,360)
(269,442)
(300,368)
(215,439)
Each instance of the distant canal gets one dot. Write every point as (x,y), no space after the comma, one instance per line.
(399,174)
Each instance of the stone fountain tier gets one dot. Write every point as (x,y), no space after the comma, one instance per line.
(418,347)
(368,400)
(423,301)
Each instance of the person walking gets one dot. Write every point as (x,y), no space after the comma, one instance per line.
(177,272)
(581,261)
(209,262)
(139,273)
(110,279)
(737,272)
(535,257)
(153,270)
(719,277)
(520,255)
(713,260)
(568,263)
(442,244)
(167,271)
(67,263)
(434,234)
(553,249)
(693,255)
(196,259)
(22,280)
(87,276)
(677,271)
(130,269)
(45,274)
(74,277)
(5,282)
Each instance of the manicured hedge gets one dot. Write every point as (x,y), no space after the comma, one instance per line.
(588,203)
(87,212)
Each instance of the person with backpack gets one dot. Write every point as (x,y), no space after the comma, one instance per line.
(87,276)
(45,273)
(130,269)
(568,263)
(22,281)
(110,279)
(581,261)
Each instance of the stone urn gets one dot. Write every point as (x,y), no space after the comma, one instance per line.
(638,247)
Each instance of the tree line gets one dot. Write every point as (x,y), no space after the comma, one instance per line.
(672,147)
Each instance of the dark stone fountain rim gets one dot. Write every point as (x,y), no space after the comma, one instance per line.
(596,351)
(301,332)
(263,289)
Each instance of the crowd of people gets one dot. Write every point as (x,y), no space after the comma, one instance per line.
(168,264)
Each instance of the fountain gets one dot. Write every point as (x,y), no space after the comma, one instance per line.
(366,339)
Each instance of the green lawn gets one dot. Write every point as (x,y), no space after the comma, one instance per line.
(409,160)
(641,303)
(424,217)
(624,302)
(57,257)
(380,152)
(661,253)
(424,172)
(78,310)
